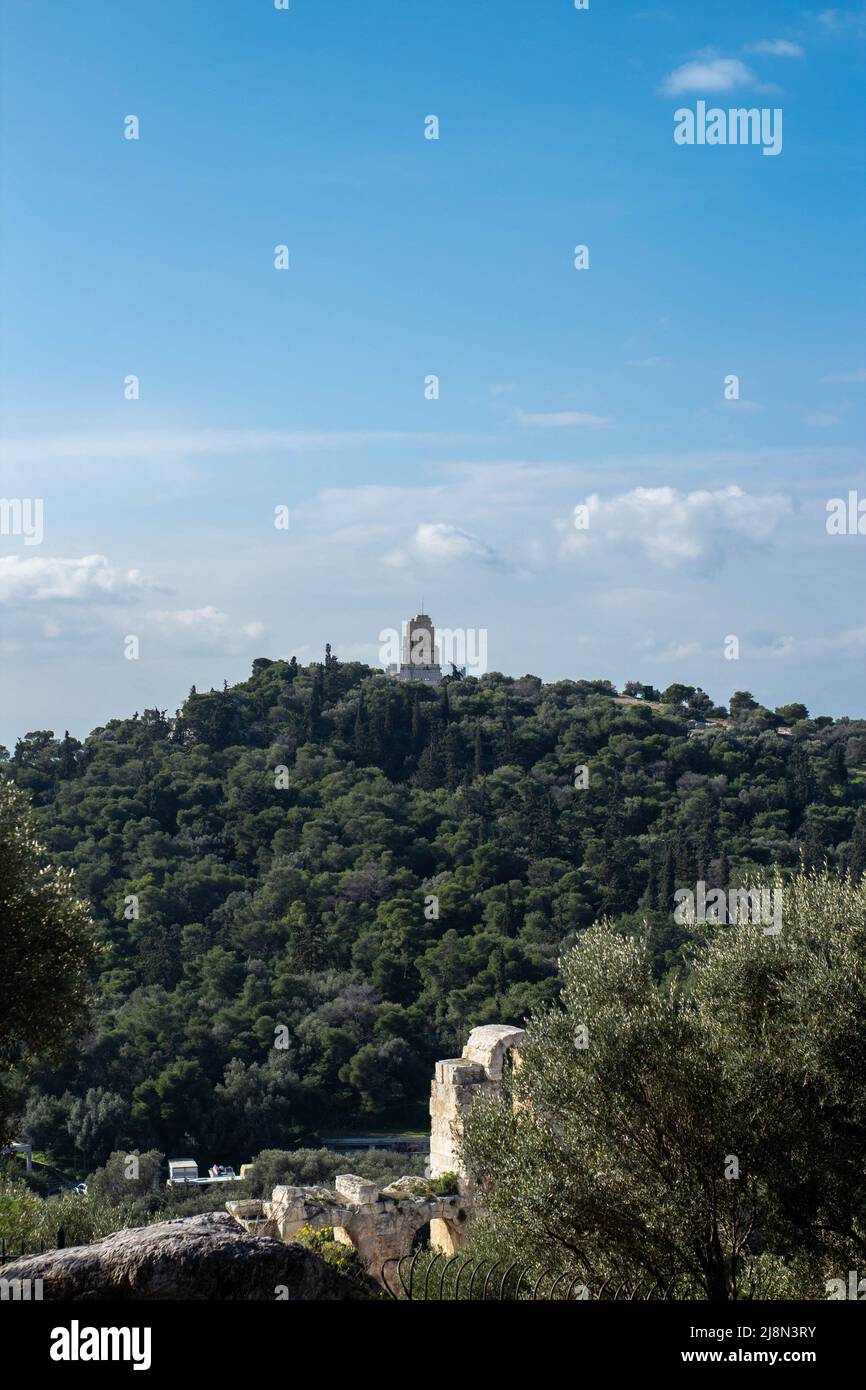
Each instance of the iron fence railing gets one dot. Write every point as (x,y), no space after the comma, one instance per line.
(9,1250)
(442,1278)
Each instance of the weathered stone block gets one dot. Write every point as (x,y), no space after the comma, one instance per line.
(357,1191)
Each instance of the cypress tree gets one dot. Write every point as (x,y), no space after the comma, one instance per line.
(724,870)
(508,739)
(667,880)
(362,740)
(857,848)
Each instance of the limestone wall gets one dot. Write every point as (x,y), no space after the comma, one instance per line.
(457,1084)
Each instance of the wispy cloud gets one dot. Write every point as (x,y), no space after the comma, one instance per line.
(858,374)
(558,419)
(844,22)
(204,627)
(190,618)
(149,444)
(776,48)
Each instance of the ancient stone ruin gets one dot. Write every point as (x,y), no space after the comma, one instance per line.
(381,1225)
(385,1224)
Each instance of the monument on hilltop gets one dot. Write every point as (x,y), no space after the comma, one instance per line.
(420,653)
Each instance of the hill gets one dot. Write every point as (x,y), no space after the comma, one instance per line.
(311,885)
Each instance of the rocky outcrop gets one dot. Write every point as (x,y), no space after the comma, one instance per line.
(201,1258)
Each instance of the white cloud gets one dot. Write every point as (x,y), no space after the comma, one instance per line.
(90,579)
(200,620)
(674,651)
(779,647)
(776,48)
(440,543)
(673,528)
(559,418)
(714,75)
(150,444)
(821,419)
(844,22)
(205,627)
(858,374)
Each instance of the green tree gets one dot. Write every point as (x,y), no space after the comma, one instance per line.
(857,848)
(126,1175)
(651,1134)
(48,949)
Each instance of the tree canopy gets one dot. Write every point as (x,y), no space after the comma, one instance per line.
(48,951)
(709,1137)
(311,885)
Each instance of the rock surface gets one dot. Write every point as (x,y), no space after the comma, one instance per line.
(199,1258)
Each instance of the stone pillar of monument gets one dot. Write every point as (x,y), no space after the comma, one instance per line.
(457,1084)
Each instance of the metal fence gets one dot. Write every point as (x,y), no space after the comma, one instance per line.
(440,1278)
(9,1251)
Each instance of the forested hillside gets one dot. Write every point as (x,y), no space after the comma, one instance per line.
(336,876)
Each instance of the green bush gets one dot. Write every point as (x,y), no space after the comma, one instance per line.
(319,1168)
(28,1221)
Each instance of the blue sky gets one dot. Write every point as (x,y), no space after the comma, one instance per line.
(411,257)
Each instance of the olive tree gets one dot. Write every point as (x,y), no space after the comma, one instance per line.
(47,950)
(694,1133)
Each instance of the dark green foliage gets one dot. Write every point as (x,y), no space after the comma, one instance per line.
(713,1136)
(48,950)
(311,885)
